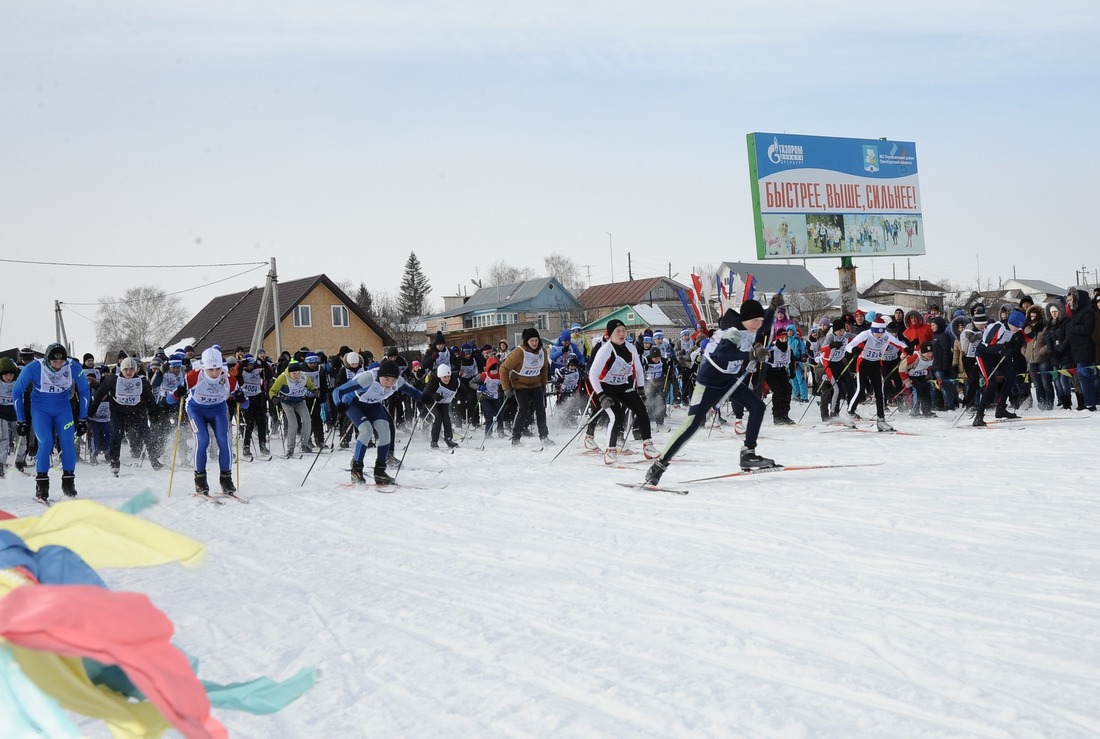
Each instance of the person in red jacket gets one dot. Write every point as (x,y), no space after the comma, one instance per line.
(916,332)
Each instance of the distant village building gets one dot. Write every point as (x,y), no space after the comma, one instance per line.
(636,318)
(1040,292)
(906,294)
(600,301)
(314,313)
(502,312)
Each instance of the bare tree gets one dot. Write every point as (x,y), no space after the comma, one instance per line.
(502,273)
(406,330)
(811,303)
(567,272)
(144,319)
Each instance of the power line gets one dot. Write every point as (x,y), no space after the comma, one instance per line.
(133,266)
(178,292)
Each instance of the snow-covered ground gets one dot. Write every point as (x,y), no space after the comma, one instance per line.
(953,590)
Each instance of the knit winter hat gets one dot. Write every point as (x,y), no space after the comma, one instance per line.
(879,326)
(212,358)
(443,370)
(530,333)
(979,316)
(751,309)
(294,367)
(613,324)
(352,359)
(388,368)
(128,363)
(1016,319)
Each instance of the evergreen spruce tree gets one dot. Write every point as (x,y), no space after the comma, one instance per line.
(364,299)
(413,298)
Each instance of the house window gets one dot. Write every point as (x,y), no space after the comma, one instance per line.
(630,317)
(340,316)
(660,292)
(543,322)
(303,316)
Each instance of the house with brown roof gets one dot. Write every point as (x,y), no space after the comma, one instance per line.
(600,301)
(313,312)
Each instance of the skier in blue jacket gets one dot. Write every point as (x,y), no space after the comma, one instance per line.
(723,371)
(52,380)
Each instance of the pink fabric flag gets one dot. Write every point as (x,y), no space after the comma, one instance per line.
(123,629)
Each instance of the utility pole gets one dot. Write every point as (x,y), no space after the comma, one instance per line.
(611,249)
(589,268)
(670,270)
(629,267)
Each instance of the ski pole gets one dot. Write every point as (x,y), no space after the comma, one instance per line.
(489,424)
(175,446)
(584,424)
(320,447)
(237,446)
(416,423)
(730,392)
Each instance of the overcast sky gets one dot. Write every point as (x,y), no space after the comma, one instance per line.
(339,136)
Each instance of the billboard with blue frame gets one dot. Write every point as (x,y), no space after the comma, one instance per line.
(818,196)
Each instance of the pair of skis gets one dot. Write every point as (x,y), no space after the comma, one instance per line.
(744,473)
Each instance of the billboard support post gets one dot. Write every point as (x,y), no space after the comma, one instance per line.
(846,278)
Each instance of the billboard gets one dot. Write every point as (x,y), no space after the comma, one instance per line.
(817,196)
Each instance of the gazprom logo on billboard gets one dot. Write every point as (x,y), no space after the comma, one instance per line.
(784,153)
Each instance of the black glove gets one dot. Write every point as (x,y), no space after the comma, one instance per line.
(81,427)
(641,392)
(238,395)
(759,353)
(21,428)
(509,393)
(776,301)
(180,391)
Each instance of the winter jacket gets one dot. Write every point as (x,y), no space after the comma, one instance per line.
(943,348)
(1057,343)
(1035,330)
(510,376)
(1079,329)
(916,330)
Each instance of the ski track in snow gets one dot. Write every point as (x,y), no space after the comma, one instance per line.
(954,590)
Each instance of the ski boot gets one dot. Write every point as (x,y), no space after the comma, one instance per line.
(307,449)
(20,465)
(3,471)
(750,460)
(653,475)
(392,461)
(200,484)
(610,456)
(156,464)
(246,452)
(546,441)
(42,486)
(1004,412)
(649,449)
(68,483)
(882,425)
(451,443)
(380,476)
(225,479)
(434,445)
(115,466)
(264,450)
(979,419)
(590,442)
(357,472)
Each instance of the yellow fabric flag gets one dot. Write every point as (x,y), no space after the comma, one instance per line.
(103,537)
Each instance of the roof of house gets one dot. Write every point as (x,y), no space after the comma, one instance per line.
(771,277)
(515,296)
(892,287)
(644,315)
(229,320)
(630,292)
(1038,286)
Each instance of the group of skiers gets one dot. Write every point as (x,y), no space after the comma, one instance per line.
(923,362)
